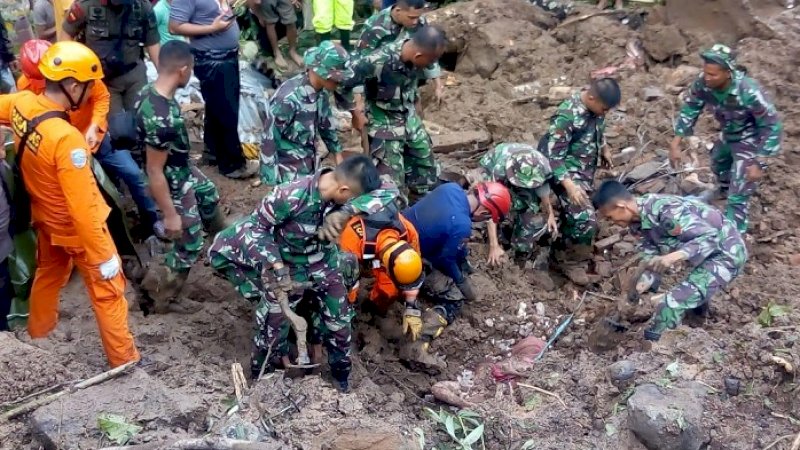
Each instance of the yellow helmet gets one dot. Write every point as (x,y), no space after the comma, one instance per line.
(70,60)
(402,262)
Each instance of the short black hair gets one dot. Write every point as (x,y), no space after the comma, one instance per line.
(361,170)
(610,191)
(429,39)
(607,90)
(414,4)
(174,55)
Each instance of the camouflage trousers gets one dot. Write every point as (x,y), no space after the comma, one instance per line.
(408,160)
(527,222)
(729,162)
(703,282)
(447,299)
(578,223)
(281,164)
(195,198)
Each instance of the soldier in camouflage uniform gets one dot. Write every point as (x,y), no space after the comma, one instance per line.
(279,246)
(574,144)
(751,129)
(399,144)
(299,111)
(525,172)
(398,22)
(184,194)
(675,229)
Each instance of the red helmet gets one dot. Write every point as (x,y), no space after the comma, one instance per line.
(29,56)
(495,197)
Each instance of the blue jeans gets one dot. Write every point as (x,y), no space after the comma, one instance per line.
(119,165)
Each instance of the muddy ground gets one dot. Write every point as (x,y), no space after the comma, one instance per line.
(504,57)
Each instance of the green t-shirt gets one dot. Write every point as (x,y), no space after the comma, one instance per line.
(161,11)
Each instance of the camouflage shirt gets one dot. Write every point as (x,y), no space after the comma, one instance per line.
(381,29)
(286,222)
(574,139)
(391,89)
(521,168)
(743,110)
(160,125)
(670,223)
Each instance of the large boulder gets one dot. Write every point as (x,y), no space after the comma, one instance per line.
(668,418)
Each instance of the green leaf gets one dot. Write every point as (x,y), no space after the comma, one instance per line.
(528,445)
(718,357)
(450,426)
(467,413)
(778,310)
(116,428)
(673,369)
(420,437)
(434,415)
(681,422)
(474,435)
(610,429)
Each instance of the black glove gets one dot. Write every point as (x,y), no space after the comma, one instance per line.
(466,288)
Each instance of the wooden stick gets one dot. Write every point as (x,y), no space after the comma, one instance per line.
(585,17)
(796,443)
(777,441)
(542,391)
(97,379)
(209,443)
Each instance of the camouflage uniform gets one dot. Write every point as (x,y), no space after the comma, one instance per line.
(297,114)
(573,144)
(284,228)
(195,197)
(525,172)
(751,130)
(560,8)
(399,144)
(714,248)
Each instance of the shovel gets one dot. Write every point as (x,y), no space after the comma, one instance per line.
(300,326)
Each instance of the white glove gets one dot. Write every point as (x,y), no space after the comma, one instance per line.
(110,268)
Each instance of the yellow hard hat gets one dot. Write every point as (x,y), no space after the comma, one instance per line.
(70,60)
(402,262)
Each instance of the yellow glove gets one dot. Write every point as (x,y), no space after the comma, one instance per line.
(412,322)
(251,151)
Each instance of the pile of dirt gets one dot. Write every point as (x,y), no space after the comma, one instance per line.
(509,62)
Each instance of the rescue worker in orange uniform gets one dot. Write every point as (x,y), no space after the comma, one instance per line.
(91,120)
(387,243)
(66,207)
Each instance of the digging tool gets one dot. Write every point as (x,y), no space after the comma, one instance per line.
(299,325)
(561,327)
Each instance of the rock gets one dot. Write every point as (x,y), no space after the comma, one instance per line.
(378,438)
(578,275)
(668,419)
(643,171)
(471,141)
(622,370)
(605,243)
(604,268)
(240,429)
(663,42)
(795,259)
(541,279)
(682,76)
(623,248)
(652,93)
(732,386)
(623,156)
(72,421)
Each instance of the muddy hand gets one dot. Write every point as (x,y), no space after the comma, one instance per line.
(755,172)
(675,153)
(333,225)
(496,256)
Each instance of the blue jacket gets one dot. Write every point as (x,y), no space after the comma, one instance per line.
(444,223)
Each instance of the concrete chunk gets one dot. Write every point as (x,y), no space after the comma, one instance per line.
(72,421)
(668,419)
(454,141)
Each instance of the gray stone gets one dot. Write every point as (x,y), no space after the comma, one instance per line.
(668,419)
(71,422)
(622,370)
(652,93)
(643,171)
(732,386)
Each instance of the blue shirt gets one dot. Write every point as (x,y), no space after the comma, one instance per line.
(204,12)
(444,222)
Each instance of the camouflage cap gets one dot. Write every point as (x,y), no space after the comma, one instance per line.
(720,55)
(329,61)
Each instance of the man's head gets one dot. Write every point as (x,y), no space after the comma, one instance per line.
(402,262)
(613,202)
(327,65)
(425,47)
(408,12)
(176,62)
(719,63)
(70,70)
(603,96)
(353,177)
(490,200)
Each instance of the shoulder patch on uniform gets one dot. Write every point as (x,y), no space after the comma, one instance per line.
(75,12)
(358,227)
(78,158)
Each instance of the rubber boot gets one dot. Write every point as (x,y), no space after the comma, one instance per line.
(322,37)
(341,376)
(163,285)
(216,223)
(344,37)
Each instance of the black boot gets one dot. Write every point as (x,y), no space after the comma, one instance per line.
(322,37)
(341,376)
(344,37)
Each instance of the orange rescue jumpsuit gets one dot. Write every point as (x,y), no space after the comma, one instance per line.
(94,111)
(69,215)
(354,239)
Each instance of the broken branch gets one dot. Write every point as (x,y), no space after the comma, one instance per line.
(543,391)
(585,17)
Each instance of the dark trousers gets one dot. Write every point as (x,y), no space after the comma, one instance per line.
(218,72)
(6,294)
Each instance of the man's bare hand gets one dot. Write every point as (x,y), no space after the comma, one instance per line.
(675,153)
(606,159)
(754,172)
(173,227)
(663,263)
(577,195)
(220,23)
(496,255)
(359,119)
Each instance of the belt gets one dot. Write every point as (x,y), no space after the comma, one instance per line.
(217,55)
